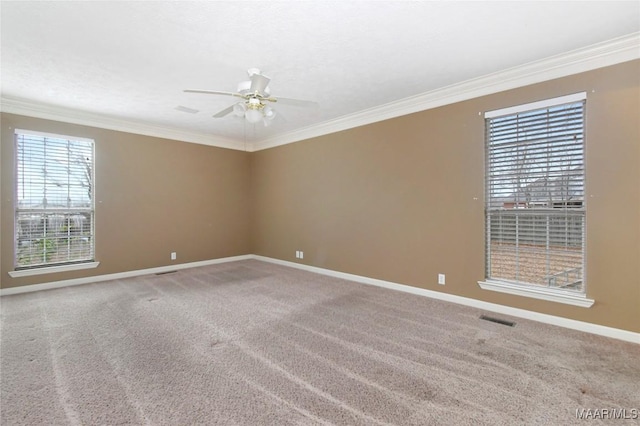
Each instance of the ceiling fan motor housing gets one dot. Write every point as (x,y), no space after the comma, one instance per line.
(254,103)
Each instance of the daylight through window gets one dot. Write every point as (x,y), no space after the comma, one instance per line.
(535,204)
(54,207)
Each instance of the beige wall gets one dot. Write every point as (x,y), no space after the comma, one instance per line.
(402,200)
(153,196)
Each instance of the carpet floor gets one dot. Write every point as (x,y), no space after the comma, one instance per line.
(253,343)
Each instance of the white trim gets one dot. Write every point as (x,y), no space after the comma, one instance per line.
(611,52)
(84,118)
(52,135)
(117,276)
(68,267)
(546,103)
(601,330)
(538,293)
(52,269)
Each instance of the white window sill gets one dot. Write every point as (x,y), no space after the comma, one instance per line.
(53,269)
(555,295)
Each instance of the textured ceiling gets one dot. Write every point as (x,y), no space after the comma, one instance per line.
(132,60)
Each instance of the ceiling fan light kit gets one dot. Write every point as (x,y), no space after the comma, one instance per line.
(253,115)
(255,95)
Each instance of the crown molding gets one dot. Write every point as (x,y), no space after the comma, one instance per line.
(599,55)
(68,115)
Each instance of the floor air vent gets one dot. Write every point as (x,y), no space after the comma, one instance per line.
(497,320)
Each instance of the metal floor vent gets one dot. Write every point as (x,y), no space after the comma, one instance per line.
(497,320)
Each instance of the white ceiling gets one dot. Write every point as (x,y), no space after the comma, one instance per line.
(128,62)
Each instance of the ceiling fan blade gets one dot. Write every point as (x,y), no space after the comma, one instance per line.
(214,92)
(259,83)
(296,102)
(186,109)
(224,112)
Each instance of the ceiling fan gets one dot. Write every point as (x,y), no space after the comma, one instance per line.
(256,96)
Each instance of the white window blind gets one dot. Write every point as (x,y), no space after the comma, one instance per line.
(54,207)
(535,204)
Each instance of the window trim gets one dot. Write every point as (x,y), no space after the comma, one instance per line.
(546,103)
(27,272)
(542,293)
(56,267)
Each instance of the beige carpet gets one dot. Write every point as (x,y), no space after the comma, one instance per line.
(251,343)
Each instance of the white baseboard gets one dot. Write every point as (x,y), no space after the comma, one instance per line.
(601,330)
(117,276)
(587,327)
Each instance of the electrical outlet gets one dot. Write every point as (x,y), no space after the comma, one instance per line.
(299,254)
(441,279)
(173,255)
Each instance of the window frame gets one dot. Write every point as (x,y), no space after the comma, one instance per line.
(52,267)
(572,297)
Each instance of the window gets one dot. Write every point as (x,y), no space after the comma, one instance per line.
(54,204)
(535,203)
